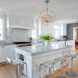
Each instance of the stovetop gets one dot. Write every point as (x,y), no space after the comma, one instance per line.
(21,42)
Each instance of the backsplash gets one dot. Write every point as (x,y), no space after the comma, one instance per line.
(18,35)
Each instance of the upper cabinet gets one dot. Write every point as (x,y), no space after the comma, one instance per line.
(15,21)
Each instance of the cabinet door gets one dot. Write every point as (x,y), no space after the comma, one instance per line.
(4,53)
(49,58)
(12,51)
(60,42)
(38,61)
(22,21)
(13,19)
(70,42)
(30,22)
(57,65)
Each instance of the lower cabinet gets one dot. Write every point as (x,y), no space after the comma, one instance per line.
(42,59)
(72,43)
(38,61)
(12,52)
(4,53)
(7,51)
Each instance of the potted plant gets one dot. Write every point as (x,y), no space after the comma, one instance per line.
(46,39)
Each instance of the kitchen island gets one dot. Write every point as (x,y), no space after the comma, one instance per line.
(35,55)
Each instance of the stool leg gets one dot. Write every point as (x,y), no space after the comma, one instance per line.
(40,71)
(26,69)
(70,72)
(20,69)
(50,73)
(61,71)
(16,71)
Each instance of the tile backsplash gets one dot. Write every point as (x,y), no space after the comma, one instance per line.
(18,35)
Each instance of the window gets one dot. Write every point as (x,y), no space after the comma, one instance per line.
(2,27)
(56,31)
(36,31)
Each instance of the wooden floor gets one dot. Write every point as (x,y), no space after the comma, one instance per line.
(76,48)
(8,71)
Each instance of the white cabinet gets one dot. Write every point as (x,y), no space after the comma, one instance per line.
(22,21)
(61,42)
(4,53)
(72,43)
(15,21)
(38,61)
(7,51)
(58,42)
(12,51)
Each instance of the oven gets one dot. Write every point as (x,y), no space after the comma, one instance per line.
(21,44)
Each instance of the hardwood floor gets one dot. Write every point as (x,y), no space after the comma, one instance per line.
(76,48)
(8,71)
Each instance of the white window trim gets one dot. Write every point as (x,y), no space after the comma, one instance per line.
(57,30)
(4,27)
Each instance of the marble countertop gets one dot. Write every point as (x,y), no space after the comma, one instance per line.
(38,49)
(5,44)
(34,42)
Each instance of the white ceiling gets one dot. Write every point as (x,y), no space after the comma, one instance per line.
(63,9)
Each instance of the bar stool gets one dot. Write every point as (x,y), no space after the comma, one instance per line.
(62,59)
(17,63)
(50,65)
(70,72)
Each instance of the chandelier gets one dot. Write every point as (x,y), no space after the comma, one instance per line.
(47,16)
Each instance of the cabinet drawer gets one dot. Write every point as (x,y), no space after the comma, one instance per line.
(3,48)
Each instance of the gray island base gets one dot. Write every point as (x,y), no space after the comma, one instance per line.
(35,55)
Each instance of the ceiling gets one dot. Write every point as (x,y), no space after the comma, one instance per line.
(63,9)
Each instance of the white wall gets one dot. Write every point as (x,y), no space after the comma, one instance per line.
(64,29)
(49,29)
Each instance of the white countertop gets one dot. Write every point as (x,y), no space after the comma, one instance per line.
(5,44)
(38,49)
(35,41)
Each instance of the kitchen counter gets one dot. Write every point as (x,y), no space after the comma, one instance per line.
(34,42)
(35,55)
(5,44)
(40,49)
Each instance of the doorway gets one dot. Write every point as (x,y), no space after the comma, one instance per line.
(75,38)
